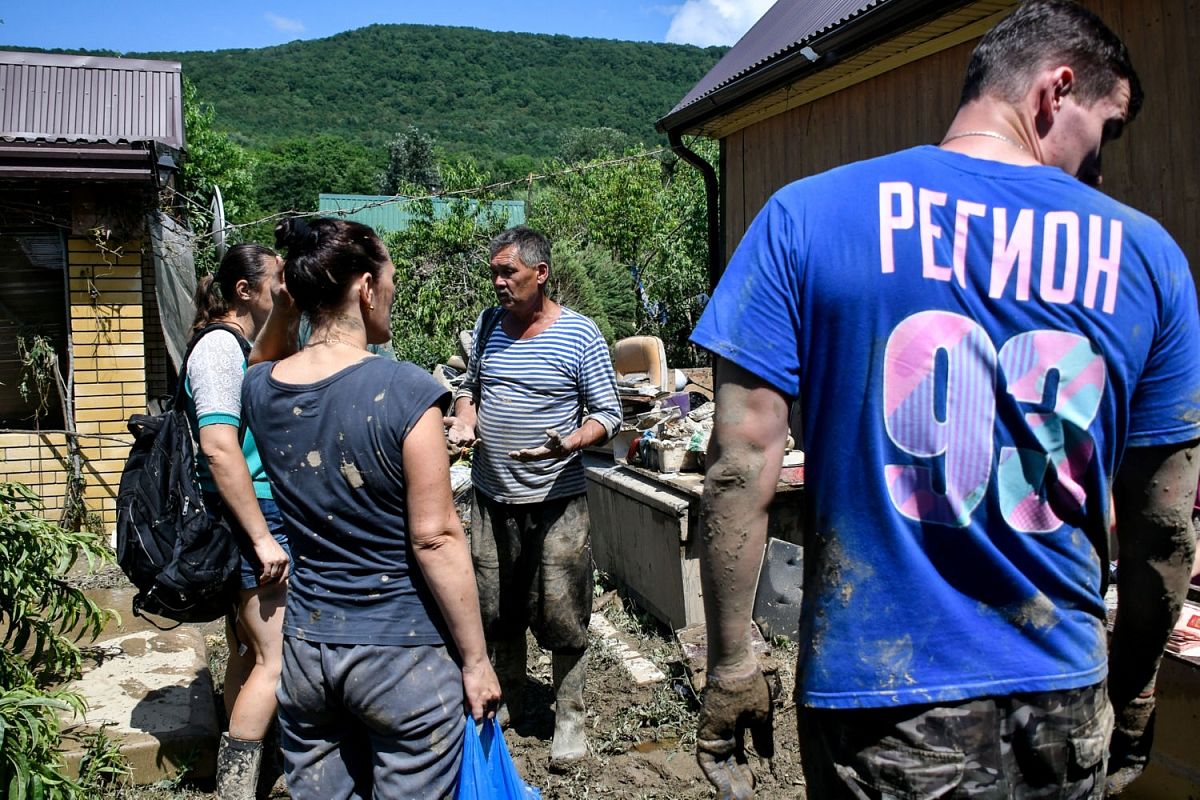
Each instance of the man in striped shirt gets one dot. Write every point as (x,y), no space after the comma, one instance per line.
(540,387)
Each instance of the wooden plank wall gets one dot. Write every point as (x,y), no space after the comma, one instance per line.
(908,106)
(1154,167)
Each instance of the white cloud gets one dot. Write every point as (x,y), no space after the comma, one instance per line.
(284,23)
(712,22)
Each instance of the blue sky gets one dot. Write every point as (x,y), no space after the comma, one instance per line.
(144,25)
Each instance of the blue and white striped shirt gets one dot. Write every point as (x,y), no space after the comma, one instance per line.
(557,379)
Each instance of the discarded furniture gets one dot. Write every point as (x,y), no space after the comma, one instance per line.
(1174,769)
(643,355)
(645,532)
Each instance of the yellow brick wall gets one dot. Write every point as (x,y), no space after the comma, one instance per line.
(39,461)
(107,330)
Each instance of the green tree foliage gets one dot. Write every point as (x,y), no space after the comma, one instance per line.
(213,159)
(442,278)
(490,94)
(42,617)
(514,168)
(462,173)
(590,281)
(291,175)
(648,214)
(411,164)
(630,251)
(577,145)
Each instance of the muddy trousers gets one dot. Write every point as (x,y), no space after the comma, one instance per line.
(370,721)
(1041,745)
(533,566)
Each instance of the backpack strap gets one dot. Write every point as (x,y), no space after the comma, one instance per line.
(491,319)
(195,340)
(487,326)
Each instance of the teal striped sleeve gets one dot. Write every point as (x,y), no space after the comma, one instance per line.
(218,419)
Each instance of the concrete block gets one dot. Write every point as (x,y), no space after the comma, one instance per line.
(154,691)
(641,669)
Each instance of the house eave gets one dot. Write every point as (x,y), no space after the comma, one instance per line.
(57,161)
(807,58)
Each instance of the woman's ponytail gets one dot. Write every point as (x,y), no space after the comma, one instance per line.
(210,303)
(216,294)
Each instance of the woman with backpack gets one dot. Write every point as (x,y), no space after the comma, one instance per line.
(231,306)
(383,644)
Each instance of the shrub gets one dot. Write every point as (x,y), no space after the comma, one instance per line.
(42,617)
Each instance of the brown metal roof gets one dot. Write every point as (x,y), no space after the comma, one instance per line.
(796,37)
(785,27)
(73,98)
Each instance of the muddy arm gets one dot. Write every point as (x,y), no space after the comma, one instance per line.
(1154,493)
(460,425)
(745,455)
(1155,489)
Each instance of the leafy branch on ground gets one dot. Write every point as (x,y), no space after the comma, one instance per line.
(42,618)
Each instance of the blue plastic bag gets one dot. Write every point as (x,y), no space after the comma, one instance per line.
(487,771)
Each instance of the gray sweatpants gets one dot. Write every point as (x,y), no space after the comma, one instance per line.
(370,721)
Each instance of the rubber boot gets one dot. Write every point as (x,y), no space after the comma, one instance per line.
(509,655)
(270,770)
(569,745)
(237,768)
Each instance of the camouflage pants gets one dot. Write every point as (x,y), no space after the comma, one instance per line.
(1049,744)
(533,567)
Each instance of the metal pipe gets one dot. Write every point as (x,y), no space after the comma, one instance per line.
(711,190)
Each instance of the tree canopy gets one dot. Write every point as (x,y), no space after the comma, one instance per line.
(493,95)
(415,109)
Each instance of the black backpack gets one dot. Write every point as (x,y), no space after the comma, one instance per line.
(183,566)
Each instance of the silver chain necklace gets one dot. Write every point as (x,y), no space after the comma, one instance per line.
(989,134)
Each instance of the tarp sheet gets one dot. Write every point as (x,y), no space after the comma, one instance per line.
(175,282)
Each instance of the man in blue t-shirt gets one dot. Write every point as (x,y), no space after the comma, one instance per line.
(997,364)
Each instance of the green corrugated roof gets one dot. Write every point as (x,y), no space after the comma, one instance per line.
(387,214)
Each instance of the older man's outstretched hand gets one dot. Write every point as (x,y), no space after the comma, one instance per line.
(556,446)
(729,707)
(459,433)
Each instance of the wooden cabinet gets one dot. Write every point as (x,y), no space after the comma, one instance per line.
(645,532)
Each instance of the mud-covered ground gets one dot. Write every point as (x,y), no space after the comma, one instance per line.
(642,738)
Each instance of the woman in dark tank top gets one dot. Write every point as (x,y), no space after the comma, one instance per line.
(383,643)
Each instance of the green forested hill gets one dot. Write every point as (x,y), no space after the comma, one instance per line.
(480,92)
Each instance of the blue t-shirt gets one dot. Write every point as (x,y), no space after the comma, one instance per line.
(333,452)
(975,345)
